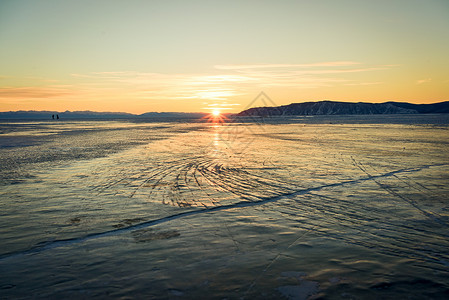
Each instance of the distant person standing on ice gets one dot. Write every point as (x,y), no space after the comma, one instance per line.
(53,117)
(57,117)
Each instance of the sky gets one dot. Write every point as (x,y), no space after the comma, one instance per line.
(141,56)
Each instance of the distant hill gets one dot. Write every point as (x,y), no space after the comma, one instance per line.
(347,108)
(306,108)
(434,108)
(47,115)
(170,115)
(76,115)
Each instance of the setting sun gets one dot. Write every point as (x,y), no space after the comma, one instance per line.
(216,116)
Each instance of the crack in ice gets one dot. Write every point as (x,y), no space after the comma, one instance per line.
(43,246)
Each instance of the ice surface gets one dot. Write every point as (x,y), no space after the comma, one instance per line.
(305,207)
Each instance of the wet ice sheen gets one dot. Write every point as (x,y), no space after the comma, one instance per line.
(112,209)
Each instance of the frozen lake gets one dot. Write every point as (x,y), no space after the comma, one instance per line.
(309,207)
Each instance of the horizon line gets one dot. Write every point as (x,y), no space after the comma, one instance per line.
(203,112)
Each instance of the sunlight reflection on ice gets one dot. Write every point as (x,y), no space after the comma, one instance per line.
(359,208)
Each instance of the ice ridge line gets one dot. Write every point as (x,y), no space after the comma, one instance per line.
(65,242)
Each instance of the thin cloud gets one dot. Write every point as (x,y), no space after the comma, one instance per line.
(270,66)
(212,79)
(256,72)
(34,92)
(226,82)
(364,83)
(222,104)
(421,81)
(171,86)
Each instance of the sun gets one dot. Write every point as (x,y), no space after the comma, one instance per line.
(216,116)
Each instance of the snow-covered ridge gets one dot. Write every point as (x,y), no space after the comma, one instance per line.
(346,108)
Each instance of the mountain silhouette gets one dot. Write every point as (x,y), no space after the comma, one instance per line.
(346,108)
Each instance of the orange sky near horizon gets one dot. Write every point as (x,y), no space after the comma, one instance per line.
(191,56)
